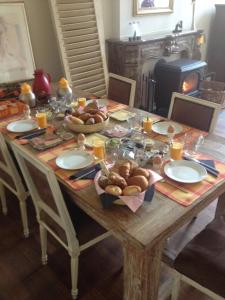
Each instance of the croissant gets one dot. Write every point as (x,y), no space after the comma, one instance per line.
(124,170)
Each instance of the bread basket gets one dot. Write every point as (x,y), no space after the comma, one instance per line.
(86,128)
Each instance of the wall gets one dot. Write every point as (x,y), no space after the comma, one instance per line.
(44,45)
(116,17)
(161,22)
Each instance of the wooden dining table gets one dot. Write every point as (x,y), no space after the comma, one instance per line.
(143,234)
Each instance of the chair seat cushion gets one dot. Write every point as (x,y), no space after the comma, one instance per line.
(203,259)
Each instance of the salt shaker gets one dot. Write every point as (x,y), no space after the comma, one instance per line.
(81,141)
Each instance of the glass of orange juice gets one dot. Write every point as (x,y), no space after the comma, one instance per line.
(176,149)
(81,102)
(147,125)
(41,118)
(99,149)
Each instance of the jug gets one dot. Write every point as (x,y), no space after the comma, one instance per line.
(42,85)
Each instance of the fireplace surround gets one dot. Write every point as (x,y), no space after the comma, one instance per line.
(137,59)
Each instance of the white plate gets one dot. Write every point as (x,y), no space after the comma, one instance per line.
(162,127)
(73,160)
(101,102)
(90,139)
(22,126)
(122,115)
(185,171)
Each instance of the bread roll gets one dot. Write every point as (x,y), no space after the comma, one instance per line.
(103,182)
(140,171)
(98,118)
(131,190)
(138,180)
(84,117)
(76,120)
(113,190)
(90,121)
(124,170)
(116,179)
(102,114)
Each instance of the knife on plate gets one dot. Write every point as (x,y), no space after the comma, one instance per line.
(209,169)
(32,134)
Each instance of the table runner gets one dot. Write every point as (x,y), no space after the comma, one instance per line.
(191,192)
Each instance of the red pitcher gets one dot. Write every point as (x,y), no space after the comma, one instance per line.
(42,85)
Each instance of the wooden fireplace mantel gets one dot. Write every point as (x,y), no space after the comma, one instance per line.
(127,58)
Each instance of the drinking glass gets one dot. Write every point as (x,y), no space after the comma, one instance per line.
(112,150)
(41,118)
(192,144)
(99,149)
(147,125)
(176,149)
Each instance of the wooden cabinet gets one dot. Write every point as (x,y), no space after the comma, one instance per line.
(216,54)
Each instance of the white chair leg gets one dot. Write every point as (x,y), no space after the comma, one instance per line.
(3,199)
(43,237)
(74,276)
(23,211)
(176,286)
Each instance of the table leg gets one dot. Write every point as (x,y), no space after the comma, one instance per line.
(220,208)
(142,272)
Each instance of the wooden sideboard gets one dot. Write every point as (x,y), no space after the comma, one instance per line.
(216,59)
(129,58)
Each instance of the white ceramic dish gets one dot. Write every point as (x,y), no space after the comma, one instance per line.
(90,139)
(122,115)
(162,127)
(185,171)
(22,126)
(74,159)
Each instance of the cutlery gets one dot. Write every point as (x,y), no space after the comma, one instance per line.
(175,185)
(209,169)
(32,134)
(74,178)
(86,171)
(154,122)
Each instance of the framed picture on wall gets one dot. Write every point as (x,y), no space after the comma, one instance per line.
(146,7)
(16,56)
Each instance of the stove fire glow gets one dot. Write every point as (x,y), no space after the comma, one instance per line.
(190,83)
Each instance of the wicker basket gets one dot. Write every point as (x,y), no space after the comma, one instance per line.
(86,128)
(213,91)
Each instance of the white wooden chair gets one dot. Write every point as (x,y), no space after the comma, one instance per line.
(11,179)
(194,112)
(121,89)
(201,262)
(52,214)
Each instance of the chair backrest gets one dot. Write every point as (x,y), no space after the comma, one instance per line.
(194,112)
(9,175)
(121,89)
(48,200)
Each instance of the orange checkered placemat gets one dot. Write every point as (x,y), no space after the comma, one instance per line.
(114,106)
(49,157)
(185,193)
(4,122)
(186,129)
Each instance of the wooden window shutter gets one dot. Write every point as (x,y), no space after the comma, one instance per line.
(79,30)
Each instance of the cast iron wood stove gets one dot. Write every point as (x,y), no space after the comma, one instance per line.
(182,75)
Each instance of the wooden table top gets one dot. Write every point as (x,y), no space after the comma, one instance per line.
(153,221)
